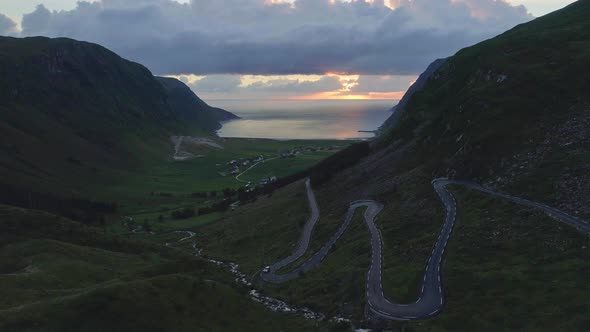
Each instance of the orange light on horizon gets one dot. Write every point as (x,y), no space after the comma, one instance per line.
(338,95)
(347,89)
(394,95)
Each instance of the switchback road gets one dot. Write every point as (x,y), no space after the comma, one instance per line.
(431,299)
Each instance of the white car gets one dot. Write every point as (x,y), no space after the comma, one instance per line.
(266,269)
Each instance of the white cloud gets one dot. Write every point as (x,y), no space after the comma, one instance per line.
(380,83)
(243,87)
(217,84)
(295,86)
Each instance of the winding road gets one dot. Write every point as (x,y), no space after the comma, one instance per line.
(432,298)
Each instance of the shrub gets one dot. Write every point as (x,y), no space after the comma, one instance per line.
(183,214)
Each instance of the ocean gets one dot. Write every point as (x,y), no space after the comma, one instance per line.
(294,119)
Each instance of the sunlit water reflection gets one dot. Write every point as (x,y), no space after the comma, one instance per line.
(304,119)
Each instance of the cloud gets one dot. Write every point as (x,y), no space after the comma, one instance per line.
(7,25)
(217,84)
(206,37)
(295,86)
(37,22)
(380,83)
(236,87)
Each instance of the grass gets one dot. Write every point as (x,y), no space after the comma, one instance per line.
(186,224)
(237,237)
(58,275)
(166,225)
(468,120)
(470,123)
(284,166)
(180,302)
(201,174)
(244,237)
(337,286)
(509,267)
(410,223)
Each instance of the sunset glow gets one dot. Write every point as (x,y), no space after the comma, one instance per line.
(338,95)
(331,86)
(349,82)
(253,79)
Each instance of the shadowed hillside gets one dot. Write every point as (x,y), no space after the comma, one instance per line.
(69,109)
(58,275)
(511,113)
(190,108)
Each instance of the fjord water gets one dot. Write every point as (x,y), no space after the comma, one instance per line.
(294,119)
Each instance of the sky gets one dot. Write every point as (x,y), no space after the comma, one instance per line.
(278,49)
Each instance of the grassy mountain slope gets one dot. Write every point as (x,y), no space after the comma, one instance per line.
(488,100)
(69,109)
(400,108)
(58,275)
(513,113)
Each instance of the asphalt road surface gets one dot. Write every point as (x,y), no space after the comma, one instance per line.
(302,244)
(432,298)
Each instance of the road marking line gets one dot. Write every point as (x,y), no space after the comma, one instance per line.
(373,208)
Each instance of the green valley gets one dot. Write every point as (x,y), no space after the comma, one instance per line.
(92,137)
(122,209)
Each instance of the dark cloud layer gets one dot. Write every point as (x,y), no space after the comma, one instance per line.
(256,37)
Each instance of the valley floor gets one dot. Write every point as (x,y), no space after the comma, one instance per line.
(131,272)
(524,254)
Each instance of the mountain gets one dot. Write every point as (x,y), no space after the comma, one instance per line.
(190,108)
(511,113)
(499,98)
(70,108)
(86,140)
(399,109)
